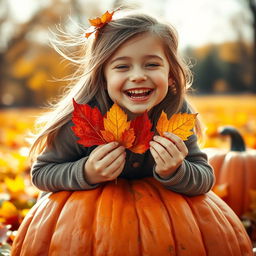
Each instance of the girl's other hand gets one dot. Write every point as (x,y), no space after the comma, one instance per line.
(168,152)
(105,163)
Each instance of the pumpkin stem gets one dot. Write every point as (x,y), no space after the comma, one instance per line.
(237,141)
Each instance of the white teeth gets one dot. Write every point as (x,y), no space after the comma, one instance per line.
(138,92)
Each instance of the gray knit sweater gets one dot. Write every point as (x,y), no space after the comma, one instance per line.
(61,167)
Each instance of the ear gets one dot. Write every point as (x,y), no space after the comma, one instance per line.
(172,86)
(170,81)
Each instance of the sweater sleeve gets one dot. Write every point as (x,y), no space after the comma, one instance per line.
(61,166)
(194,176)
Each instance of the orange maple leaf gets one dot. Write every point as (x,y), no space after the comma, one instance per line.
(117,128)
(101,21)
(180,124)
(98,23)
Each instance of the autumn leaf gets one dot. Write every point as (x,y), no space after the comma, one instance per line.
(180,124)
(9,214)
(98,23)
(128,138)
(8,210)
(142,129)
(101,21)
(88,124)
(16,185)
(94,129)
(117,128)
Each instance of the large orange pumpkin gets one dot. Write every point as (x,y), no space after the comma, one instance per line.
(131,218)
(235,171)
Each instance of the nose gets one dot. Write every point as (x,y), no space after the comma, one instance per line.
(137,76)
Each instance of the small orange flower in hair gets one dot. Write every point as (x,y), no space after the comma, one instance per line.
(98,23)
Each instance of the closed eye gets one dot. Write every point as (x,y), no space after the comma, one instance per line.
(121,67)
(152,65)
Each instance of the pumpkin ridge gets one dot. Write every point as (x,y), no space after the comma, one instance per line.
(94,225)
(234,222)
(69,243)
(244,182)
(250,164)
(41,218)
(137,215)
(117,203)
(233,161)
(74,216)
(154,227)
(136,197)
(24,228)
(222,217)
(187,199)
(177,226)
(204,233)
(36,230)
(156,187)
(98,213)
(57,218)
(205,229)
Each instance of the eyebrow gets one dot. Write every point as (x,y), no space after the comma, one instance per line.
(127,58)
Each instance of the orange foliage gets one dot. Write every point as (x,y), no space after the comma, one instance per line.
(216,111)
(179,124)
(116,124)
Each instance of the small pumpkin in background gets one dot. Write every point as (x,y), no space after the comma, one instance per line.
(131,218)
(235,171)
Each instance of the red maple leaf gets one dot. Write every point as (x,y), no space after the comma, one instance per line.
(142,128)
(88,124)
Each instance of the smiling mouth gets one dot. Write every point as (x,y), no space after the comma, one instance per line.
(138,93)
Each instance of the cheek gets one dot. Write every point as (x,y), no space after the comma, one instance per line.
(110,77)
(113,89)
(114,82)
(162,77)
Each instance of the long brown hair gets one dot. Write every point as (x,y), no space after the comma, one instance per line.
(89,81)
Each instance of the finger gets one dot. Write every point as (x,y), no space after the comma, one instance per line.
(167,144)
(111,157)
(102,150)
(178,142)
(156,156)
(165,154)
(116,167)
(118,171)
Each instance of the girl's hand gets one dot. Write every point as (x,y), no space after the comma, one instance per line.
(105,163)
(168,152)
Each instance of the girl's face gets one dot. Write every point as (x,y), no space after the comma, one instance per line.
(137,74)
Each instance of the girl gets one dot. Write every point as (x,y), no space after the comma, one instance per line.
(133,61)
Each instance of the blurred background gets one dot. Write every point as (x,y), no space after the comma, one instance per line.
(217,38)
